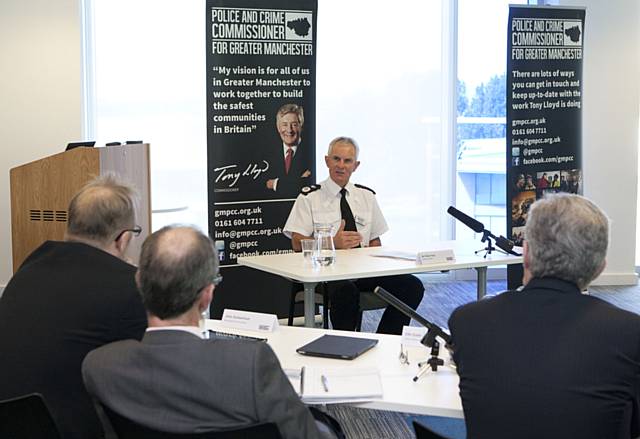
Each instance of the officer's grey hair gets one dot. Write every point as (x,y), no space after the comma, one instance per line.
(344,139)
(567,236)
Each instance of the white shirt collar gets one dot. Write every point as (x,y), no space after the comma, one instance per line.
(191,329)
(286,147)
(334,188)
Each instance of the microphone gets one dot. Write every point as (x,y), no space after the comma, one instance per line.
(502,243)
(465,219)
(434,330)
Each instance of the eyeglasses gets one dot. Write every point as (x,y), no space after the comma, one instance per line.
(136,232)
(215,281)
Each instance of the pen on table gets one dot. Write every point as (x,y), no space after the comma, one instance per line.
(325,383)
(302,381)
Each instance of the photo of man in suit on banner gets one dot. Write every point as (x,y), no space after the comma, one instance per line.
(289,169)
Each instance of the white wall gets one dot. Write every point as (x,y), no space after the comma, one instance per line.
(40,106)
(40,91)
(610,124)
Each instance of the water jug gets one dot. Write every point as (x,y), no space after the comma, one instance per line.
(324,253)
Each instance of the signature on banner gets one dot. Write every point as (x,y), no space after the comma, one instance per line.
(230,175)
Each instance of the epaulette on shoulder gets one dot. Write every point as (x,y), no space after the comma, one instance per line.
(306,190)
(364,187)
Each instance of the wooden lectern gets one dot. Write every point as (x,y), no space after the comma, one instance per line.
(41,192)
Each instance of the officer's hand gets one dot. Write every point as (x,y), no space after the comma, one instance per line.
(345,240)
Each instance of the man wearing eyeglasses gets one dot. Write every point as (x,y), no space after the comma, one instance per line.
(68,298)
(194,384)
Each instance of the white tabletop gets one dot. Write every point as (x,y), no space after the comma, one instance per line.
(360,263)
(434,394)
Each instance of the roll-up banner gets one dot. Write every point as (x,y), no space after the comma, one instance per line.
(261,59)
(544,111)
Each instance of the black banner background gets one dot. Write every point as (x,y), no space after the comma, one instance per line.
(260,56)
(544,111)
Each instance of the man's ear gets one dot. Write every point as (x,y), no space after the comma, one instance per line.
(525,254)
(122,243)
(206,296)
(356,166)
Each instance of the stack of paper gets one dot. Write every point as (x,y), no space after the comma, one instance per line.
(327,386)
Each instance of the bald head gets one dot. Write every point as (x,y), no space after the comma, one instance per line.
(101,210)
(176,263)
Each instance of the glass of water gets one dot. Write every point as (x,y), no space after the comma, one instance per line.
(308,246)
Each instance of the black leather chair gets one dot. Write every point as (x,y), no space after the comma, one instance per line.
(423,432)
(27,417)
(127,429)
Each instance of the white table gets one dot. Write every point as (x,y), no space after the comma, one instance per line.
(360,263)
(434,394)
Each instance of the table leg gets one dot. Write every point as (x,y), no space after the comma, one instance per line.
(482,281)
(310,304)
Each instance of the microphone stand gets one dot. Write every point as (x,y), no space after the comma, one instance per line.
(486,237)
(502,243)
(429,340)
(432,363)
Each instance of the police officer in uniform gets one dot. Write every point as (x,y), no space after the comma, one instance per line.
(354,212)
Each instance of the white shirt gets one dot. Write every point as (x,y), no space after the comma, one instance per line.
(286,147)
(322,206)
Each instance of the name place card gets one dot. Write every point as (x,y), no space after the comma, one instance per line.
(436,257)
(411,335)
(252,321)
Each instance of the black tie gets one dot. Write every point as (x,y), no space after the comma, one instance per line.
(347,215)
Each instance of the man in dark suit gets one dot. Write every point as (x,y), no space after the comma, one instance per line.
(290,169)
(175,380)
(68,298)
(548,360)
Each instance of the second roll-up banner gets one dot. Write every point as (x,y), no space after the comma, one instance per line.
(544,111)
(261,59)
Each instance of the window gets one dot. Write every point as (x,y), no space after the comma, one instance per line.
(149,64)
(481,136)
(380,80)
(384,77)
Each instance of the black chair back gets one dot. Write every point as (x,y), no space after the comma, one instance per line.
(423,432)
(127,429)
(27,417)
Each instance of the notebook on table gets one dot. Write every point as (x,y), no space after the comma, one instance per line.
(337,346)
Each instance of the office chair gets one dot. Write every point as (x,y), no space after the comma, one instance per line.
(128,429)
(368,302)
(423,432)
(27,417)
(321,296)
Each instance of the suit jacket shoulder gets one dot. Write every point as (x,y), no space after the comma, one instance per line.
(217,384)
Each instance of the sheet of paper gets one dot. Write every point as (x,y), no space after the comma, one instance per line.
(341,385)
(295,378)
(396,254)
